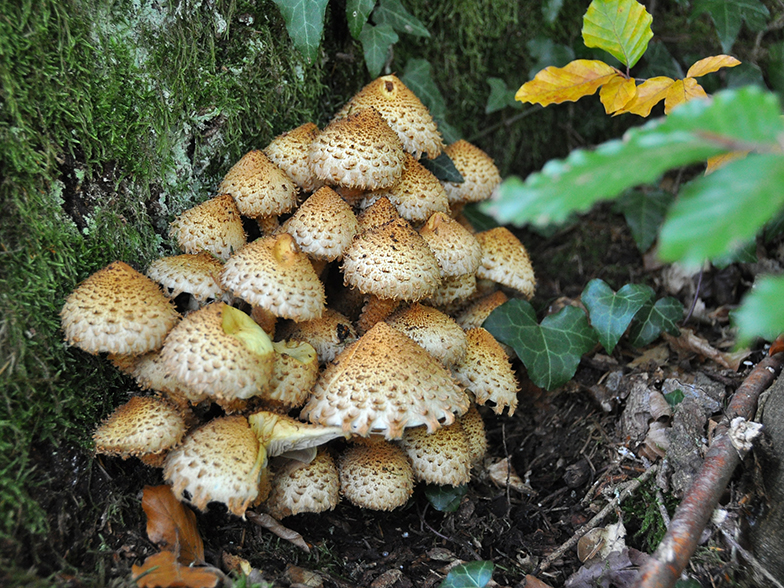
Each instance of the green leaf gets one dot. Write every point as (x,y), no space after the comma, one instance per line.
(357,13)
(393,13)
(551,351)
(551,9)
(547,53)
(716,214)
(304,22)
(418,77)
(693,132)
(775,67)
(660,62)
(652,319)
(644,212)
(476,574)
(445,498)
(500,96)
(620,27)
(612,313)
(443,168)
(478,220)
(727,16)
(674,398)
(761,313)
(376,41)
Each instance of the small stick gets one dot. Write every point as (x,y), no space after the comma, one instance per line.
(755,563)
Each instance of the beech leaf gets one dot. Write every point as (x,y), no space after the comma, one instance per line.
(554,85)
(653,318)
(610,312)
(689,342)
(682,91)
(620,27)
(172,526)
(719,161)
(551,351)
(711,64)
(617,93)
(266,521)
(162,570)
(649,94)
(475,574)
(761,313)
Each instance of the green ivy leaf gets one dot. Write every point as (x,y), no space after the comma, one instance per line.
(551,351)
(500,96)
(419,79)
(551,9)
(776,66)
(652,319)
(727,16)
(443,168)
(547,53)
(445,498)
(357,13)
(710,219)
(304,22)
(612,313)
(620,27)
(376,41)
(693,132)
(761,313)
(475,574)
(674,398)
(393,13)
(644,213)
(479,220)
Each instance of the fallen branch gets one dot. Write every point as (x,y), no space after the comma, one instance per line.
(699,502)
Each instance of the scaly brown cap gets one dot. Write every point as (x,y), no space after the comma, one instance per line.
(289,151)
(505,261)
(442,457)
(304,487)
(379,213)
(453,290)
(259,187)
(457,251)
(151,374)
(296,370)
(480,175)
(376,475)
(329,335)
(214,226)
(475,314)
(436,332)
(194,273)
(474,429)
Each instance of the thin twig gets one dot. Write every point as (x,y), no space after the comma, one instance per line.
(755,563)
(694,299)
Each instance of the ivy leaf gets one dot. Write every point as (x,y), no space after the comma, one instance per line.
(419,79)
(479,220)
(547,53)
(393,13)
(761,313)
(500,96)
(620,27)
(376,41)
(357,13)
(612,313)
(550,10)
(475,574)
(443,168)
(727,16)
(445,498)
(652,319)
(644,213)
(554,85)
(551,351)
(304,22)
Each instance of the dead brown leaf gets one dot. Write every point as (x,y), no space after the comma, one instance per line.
(534,582)
(271,524)
(162,570)
(690,342)
(172,526)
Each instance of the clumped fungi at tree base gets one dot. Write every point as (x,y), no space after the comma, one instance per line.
(343,325)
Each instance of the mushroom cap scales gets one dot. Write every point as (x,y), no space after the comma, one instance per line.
(214,226)
(376,475)
(259,187)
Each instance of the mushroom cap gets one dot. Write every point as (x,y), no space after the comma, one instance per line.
(220,461)
(452,290)
(144,425)
(417,195)
(391,261)
(259,187)
(403,112)
(383,383)
(438,333)
(457,250)
(273,273)
(505,261)
(304,487)
(214,226)
(359,151)
(289,151)
(475,314)
(117,310)
(296,370)
(209,358)
(151,373)
(194,273)
(280,434)
(323,226)
(480,175)
(442,457)
(373,311)
(486,371)
(474,429)
(376,475)
(329,335)
(379,213)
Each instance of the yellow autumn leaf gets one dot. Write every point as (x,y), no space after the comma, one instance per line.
(718,161)
(649,94)
(576,79)
(682,91)
(711,64)
(617,92)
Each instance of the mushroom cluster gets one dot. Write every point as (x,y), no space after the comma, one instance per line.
(354,312)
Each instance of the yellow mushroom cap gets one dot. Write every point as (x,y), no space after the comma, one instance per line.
(436,332)
(404,113)
(391,261)
(151,373)
(220,461)
(480,175)
(474,429)
(214,226)
(144,425)
(442,457)
(475,314)
(486,371)
(453,290)
(289,151)
(194,273)
(117,310)
(505,261)
(379,213)
(376,475)
(296,370)
(323,226)
(273,273)
(417,195)
(304,487)
(383,383)
(329,335)
(259,187)
(208,358)
(359,151)
(457,251)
